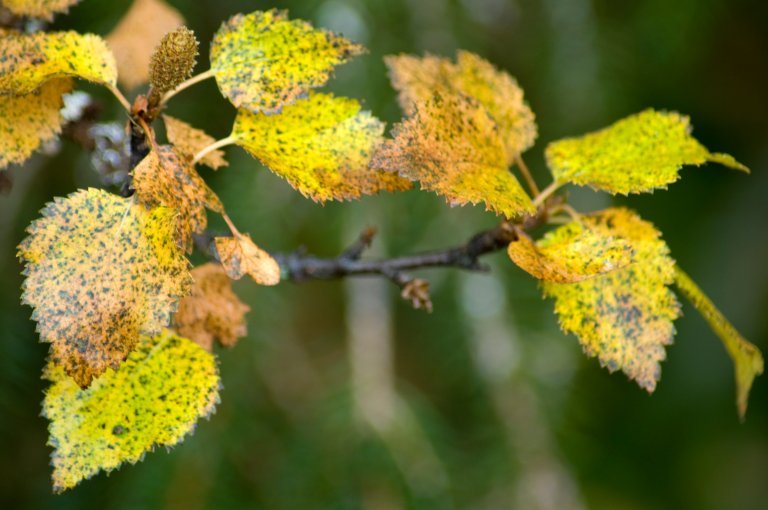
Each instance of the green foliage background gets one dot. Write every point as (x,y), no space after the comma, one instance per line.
(497,408)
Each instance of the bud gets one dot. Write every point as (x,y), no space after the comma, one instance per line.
(173,60)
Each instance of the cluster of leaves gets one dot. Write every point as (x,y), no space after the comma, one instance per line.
(107,274)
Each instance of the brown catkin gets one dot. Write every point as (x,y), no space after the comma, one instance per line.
(173,60)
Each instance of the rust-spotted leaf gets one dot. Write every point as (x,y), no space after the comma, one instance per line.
(29,60)
(451,145)
(263,61)
(28,121)
(155,399)
(212,311)
(240,256)
(624,317)
(637,154)
(321,145)
(417,79)
(100,271)
(747,358)
(571,253)
(165,177)
(189,141)
(44,9)
(137,35)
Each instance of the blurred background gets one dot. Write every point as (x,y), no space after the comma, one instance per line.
(343,397)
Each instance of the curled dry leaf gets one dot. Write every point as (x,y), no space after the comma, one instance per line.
(189,141)
(212,311)
(263,61)
(44,9)
(321,145)
(162,389)
(137,35)
(417,292)
(101,270)
(240,256)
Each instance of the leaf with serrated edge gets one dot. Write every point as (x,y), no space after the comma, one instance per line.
(212,311)
(29,60)
(452,146)
(28,121)
(137,35)
(418,78)
(624,317)
(189,141)
(240,256)
(571,253)
(637,154)
(747,358)
(321,145)
(165,177)
(44,9)
(155,399)
(100,271)
(263,61)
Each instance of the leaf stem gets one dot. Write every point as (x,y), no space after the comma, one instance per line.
(185,85)
(215,145)
(527,175)
(120,97)
(230,224)
(546,193)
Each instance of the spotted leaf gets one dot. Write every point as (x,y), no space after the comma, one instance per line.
(321,145)
(100,271)
(29,60)
(637,154)
(624,317)
(44,9)
(28,121)
(165,177)
(451,145)
(163,388)
(418,79)
(189,141)
(263,61)
(211,311)
(240,256)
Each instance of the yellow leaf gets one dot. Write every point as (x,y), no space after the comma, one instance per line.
(29,60)
(321,145)
(137,35)
(28,121)
(211,311)
(640,153)
(572,253)
(189,141)
(156,397)
(263,61)
(418,79)
(452,147)
(623,317)
(240,256)
(100,270)
(44,9)
(164,177)
(747,359)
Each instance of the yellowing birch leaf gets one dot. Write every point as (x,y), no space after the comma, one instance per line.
(29,60)
(211,311)
(418,79)
(189,141)
(640,153)
(240,256)
(571,253)
(263,61)
(321,145)
(44,9)
(137,35)
(161,390)
(28,121)
(452,147)
(100,270)
(747,358)
(623,317)
(164,177)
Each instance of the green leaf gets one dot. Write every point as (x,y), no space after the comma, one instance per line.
(637,154)
(747,359)
(623,317)
(100,271)
(154,399)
